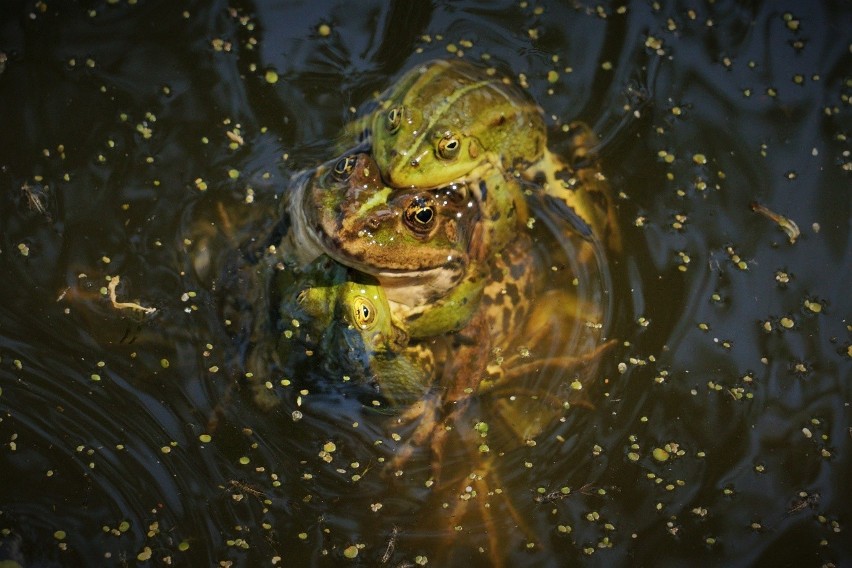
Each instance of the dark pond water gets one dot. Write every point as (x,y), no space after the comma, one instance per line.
(719,432)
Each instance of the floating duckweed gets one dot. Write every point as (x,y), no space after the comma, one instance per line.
(183,546)
(166,449)
(23,249)
(95,377)
(233,173)
(660,454)
(564,529)
(633,456)
(654,43)
(792,23)
(164,363)
(205,438)
(815,307)
(59,535)
(144,555)
(324,30)
(271,76)
(699,159)
(787,323)
(350,551)
(329,447)
(244,460)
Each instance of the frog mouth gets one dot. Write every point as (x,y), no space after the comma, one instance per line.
(412,287)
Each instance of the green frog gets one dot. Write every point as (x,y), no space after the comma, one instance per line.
(446,122)
(343,318)
(427,248)
(511,360)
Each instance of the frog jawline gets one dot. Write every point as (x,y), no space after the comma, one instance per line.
(410,287)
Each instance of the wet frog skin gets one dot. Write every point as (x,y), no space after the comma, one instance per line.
(449,122)
(346,322)
(416,243)
(428,248)
(443,119)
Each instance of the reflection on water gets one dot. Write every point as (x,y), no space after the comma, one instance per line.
(717,432)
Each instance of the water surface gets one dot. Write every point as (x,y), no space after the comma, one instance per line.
(720,429)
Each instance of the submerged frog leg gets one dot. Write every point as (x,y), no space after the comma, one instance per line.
(580,186)
(480,495)
(425,412)
(561,364)
(459,381)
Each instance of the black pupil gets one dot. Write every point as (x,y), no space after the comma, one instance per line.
(423,215)
(365,312)
(344,166)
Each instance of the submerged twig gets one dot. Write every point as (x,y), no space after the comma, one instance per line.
(788,225)
(113,283)
(391,545)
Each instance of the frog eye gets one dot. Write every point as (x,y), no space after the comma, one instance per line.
(420,214)
(394,119)
(363,312)
(343,168)
(448,147)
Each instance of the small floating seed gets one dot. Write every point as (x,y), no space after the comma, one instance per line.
(350,551)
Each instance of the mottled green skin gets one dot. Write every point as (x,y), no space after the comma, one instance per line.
(444,119)
(432,268)
(345,320)
(405,239)
(446,122)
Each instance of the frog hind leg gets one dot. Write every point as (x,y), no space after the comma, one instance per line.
(459,380)
(579,186)
(480,496)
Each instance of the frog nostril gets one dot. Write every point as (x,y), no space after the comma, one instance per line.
(414,163)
